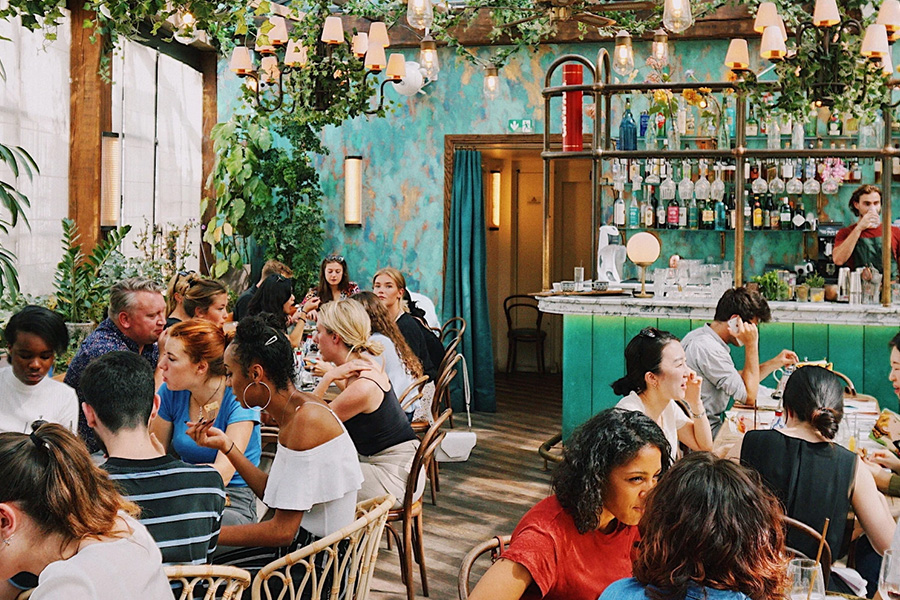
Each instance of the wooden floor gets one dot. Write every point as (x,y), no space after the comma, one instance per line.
(488,494)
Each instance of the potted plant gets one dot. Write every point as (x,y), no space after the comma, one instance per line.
(802,292)
(816,285)
(772,287)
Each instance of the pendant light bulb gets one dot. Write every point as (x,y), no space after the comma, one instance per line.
(491,82)
(419,14)
(677,15)
(623,56)
(660,47)
(428,57)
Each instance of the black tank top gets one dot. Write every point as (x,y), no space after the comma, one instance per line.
(382,428)
(812,480)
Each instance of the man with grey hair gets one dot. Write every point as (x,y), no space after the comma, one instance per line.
(137,316)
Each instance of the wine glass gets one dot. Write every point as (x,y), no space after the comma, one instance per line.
(889,576)
(806,580)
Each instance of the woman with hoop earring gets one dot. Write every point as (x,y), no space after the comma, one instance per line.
(315,475)
(195,390)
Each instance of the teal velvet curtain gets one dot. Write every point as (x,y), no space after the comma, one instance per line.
(465,287)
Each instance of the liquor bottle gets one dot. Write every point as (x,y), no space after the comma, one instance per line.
(772,210)
(660,125)
(834,125)
(731,205)
(878,167)
(645,120)
(786,215)
(673,213)
(683,215)
(634,213)
(720,220)
(748,209)
(649,209)
(754,171)
(693,215)
(707,216)
(855,169)
(619,211)
(627,129)
(757,213)
(763,126)
(752,128)
(661,214)
(799,218)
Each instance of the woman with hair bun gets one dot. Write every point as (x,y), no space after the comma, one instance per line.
(178,286)
(193,390)
(813,477)
(61,518)
(368,406)
(710,531)
(656,377)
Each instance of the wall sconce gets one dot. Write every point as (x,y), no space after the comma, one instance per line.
(491,85)
(623,56)
(110,179)
(494,223)
(353,191)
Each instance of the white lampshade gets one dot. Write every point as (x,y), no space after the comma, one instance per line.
(677,15)
(278,35)
(353,190)
(766,14)
(889,15)
(296,54)
(660,47)
(623,56)
(269,67)
(241,63)
(643,248)
(396,67)
(360,44)
(428,57)
(491,82)
(887,66)
(261,47)
(378,34)
(419,14)
(110,179)
(333,30)
(826,14)
(738,56)
(875,42)
(772,46)
(375,58)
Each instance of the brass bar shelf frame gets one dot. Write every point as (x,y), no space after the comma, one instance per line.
(602,90)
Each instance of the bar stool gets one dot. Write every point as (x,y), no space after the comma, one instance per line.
(534,334)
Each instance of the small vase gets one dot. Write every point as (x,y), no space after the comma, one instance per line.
(674,138)
(722,140)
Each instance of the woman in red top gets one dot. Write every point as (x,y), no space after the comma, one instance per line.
(576,542)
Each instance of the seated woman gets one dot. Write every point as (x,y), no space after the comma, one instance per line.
(575,543)
(884,464)
(62,519)
(334,284)
(206,299)
(178,285)
(710,531)
(400,364)
(276,297)
(315,475)
(384,440)
(813,477)
(195,389)
(36,336)
(656,376)
(390,285)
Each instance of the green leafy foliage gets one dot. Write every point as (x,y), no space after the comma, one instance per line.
(81,292)
(771,286)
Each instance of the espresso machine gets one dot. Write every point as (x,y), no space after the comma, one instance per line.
(825,263)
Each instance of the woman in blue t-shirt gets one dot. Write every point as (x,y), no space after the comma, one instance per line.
(194,390)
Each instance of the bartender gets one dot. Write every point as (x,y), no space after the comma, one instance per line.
(859,245)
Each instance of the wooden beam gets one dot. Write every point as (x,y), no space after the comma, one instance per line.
(90,114)
(209,64)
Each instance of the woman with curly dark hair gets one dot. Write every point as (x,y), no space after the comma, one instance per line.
(578,541)
(711,531)
(276,297)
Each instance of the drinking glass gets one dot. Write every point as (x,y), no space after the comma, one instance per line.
(889,577)
(579,277)
(805,579)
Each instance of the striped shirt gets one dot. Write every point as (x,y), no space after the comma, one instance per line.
(181,504)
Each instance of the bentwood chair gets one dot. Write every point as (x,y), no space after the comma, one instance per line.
(495,546)
(794,527)
(411,544)
(413,393)
(518,304)
(339,565)
(452,330)
(214,582)
(440,402)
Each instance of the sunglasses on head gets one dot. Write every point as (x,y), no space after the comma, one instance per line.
(334,258)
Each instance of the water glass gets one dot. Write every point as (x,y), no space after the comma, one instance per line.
(806,580)
(579,277)
(889,577)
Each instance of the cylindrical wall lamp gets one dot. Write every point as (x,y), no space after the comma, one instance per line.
(353,191)
(110,179)
(494,223)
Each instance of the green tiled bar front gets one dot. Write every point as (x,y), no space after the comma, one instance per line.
(594,356)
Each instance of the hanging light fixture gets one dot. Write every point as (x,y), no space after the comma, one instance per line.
(375,58)
(353,191)
(360,44)
(677,15)
(889,16)
(333,30)
(396,67)
(825,13)
(378,34)
(428,57)
(772,46)
(419,14)
(660,47)
(491,82)
(738,56)
(875,42)
(296,54)
(623,56)
(240,62)
(278,34)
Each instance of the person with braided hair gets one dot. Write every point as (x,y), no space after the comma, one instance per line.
(62,519)
(367,404)
(813,477)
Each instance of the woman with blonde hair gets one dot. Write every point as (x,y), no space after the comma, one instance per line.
(367,405)
(61,518)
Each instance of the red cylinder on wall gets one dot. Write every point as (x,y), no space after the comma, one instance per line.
(572,136)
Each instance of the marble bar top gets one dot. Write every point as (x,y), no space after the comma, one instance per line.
(826,313)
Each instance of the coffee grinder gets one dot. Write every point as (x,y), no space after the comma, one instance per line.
(825,263)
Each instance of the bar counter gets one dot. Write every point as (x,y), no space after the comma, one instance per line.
(596,330)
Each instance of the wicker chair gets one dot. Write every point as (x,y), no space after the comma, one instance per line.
(495,546)
(349,556)
(219,582)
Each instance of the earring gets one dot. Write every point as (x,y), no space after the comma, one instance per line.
(6,540)
(263,383)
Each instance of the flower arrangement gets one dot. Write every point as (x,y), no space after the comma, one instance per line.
(661,101)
